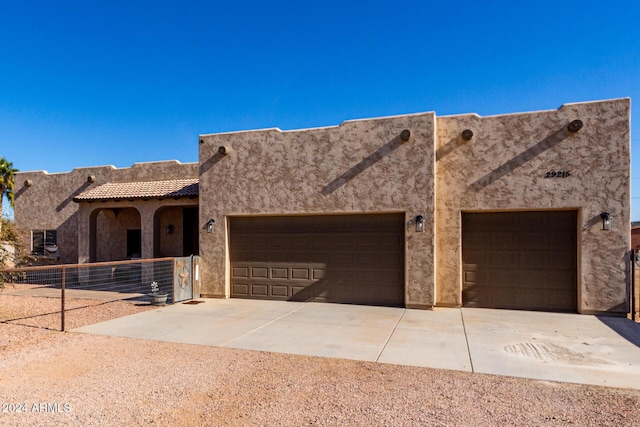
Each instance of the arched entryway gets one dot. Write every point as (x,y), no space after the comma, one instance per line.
(115,234)
(175,231)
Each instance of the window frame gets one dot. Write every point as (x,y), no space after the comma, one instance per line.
(44,237)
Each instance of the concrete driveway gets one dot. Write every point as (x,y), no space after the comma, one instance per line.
(545,346)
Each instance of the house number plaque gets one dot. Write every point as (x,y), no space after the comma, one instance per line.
(557,174)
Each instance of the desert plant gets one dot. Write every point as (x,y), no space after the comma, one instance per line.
(12,236)
(7,179)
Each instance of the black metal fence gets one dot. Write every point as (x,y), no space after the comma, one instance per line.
(635,285)
(118,280)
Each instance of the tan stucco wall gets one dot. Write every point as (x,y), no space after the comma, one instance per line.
(48,202)
(111,232)
(503,167)
(358,167)
(171,244)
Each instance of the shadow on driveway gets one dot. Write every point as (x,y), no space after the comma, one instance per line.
(626,328)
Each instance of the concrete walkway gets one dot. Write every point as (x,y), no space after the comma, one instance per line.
(546,346)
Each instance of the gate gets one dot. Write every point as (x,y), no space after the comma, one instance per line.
(186,278)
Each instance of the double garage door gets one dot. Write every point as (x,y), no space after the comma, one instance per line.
(520,260)
(356,259)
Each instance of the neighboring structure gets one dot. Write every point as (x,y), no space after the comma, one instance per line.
(635,235)
(148,210)
(417,211)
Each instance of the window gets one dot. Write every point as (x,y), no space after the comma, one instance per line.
(44,242)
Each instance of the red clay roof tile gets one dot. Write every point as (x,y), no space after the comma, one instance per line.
(175,188)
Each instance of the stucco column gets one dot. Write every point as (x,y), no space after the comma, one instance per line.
(147,228)
(84,239)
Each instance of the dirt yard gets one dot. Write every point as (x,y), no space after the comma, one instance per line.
(49,378)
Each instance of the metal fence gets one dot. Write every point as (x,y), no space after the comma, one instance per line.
(117,280)
(635,285)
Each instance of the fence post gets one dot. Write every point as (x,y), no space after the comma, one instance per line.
(62,299)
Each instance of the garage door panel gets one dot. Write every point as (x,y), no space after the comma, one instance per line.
(300,274)
(280,273)
(318,273)
(344,258)
(240,289)
(520,260)
(259,272)
(240,272)
(258,290)
(279,291)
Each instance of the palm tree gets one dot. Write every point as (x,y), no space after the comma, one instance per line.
(7,175)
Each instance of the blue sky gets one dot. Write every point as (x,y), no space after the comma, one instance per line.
(89,83)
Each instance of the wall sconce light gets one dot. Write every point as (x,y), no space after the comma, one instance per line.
(420,224)
(467,134)
(210,225)
(169,229)
(575,126)
(606,221)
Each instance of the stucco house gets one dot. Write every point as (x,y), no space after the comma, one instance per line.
(523,211)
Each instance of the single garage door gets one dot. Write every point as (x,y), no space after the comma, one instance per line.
(356,259)
(520,260)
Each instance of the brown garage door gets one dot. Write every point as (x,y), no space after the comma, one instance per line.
(357,259)
(520,260)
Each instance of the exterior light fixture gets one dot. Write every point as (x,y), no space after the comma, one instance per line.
(169,229)
(211,225)
(420,224)
(606,221)
(575,126)
(405,135)
(467,134)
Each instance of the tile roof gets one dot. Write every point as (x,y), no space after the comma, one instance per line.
(174,188)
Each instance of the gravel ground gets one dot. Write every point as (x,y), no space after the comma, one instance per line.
(49,378)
